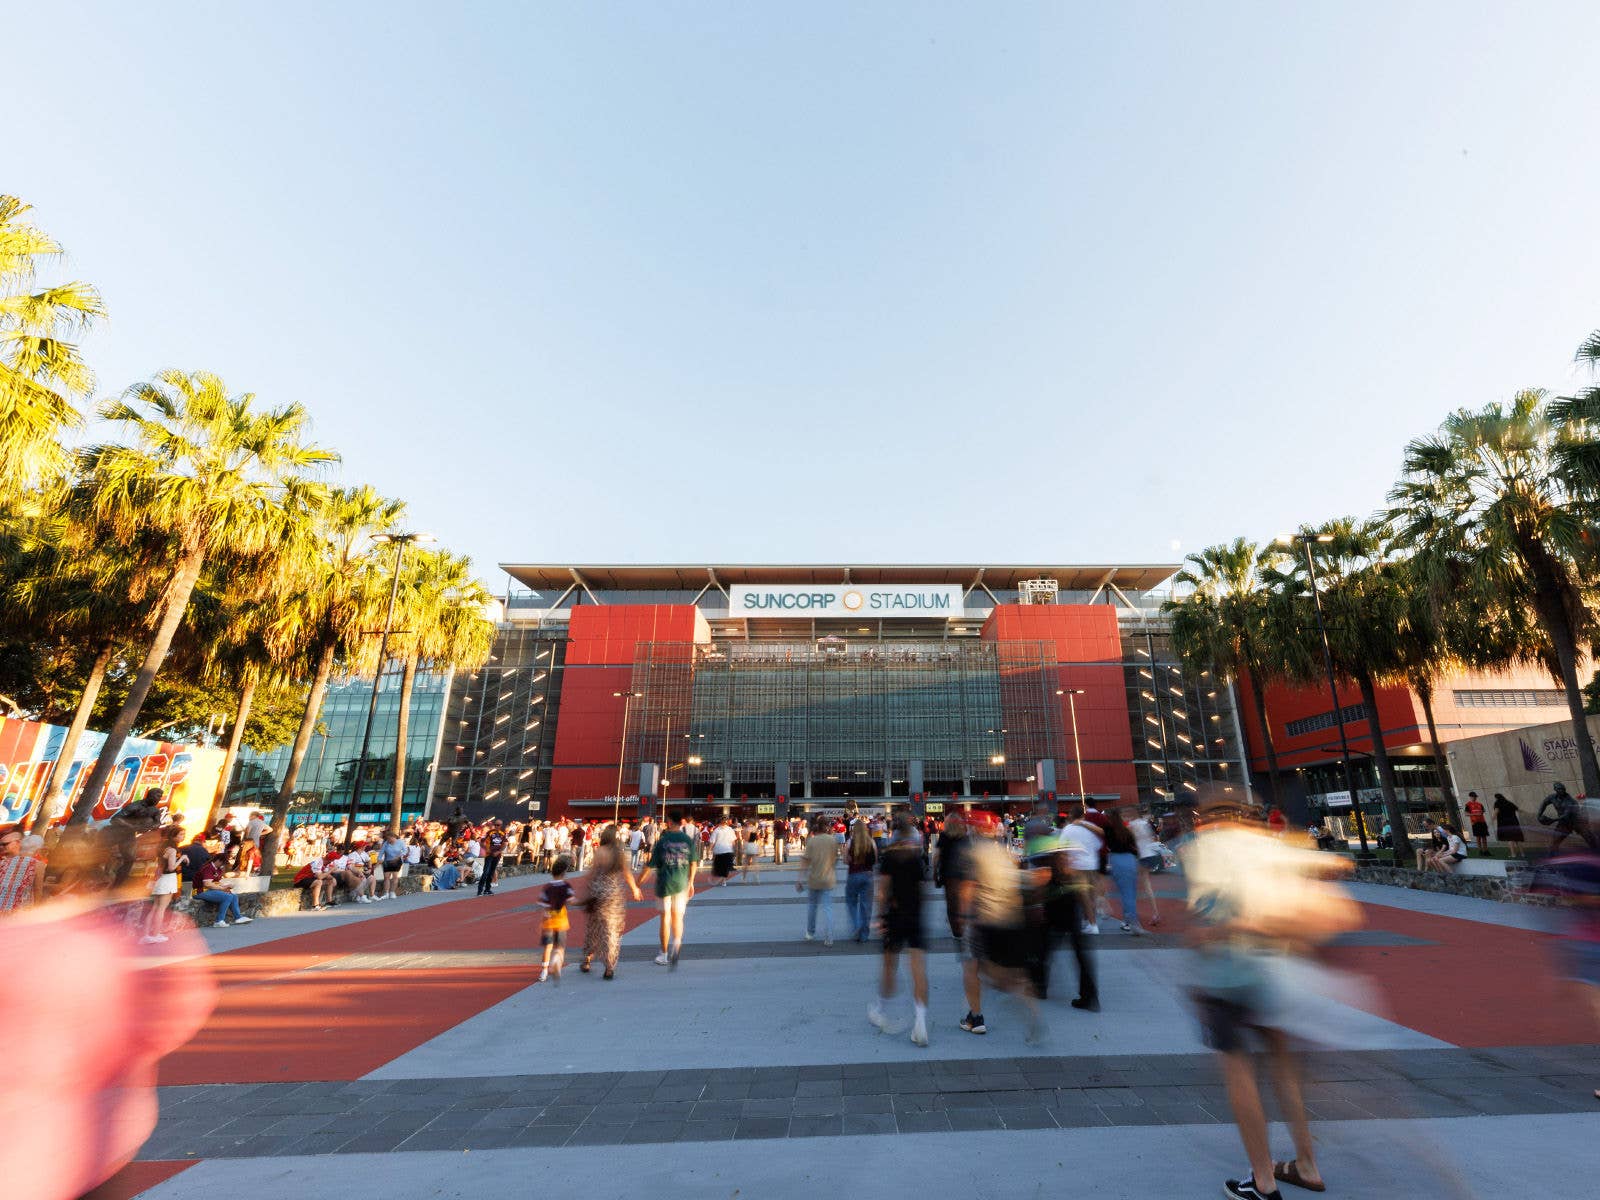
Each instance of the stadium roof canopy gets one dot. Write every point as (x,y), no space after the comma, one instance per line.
(645,577)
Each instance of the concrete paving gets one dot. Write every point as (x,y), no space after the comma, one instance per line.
(1460,1159)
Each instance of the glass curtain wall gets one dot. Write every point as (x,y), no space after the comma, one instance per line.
(1185,736)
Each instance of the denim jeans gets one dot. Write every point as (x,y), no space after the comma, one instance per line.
(820,898)
(227,903)
(1125,874)
(858,902)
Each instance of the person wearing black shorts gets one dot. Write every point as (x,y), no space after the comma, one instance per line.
(900,903)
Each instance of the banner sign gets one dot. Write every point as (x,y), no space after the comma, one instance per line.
(846,600)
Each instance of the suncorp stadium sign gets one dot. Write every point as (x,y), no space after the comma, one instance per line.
(846,600)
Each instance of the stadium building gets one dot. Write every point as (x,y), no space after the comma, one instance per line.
(729,686)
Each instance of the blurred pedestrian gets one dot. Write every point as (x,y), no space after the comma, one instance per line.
(165,885)
(1508,825)
(861,864)
(1256,903)
(1071,907)
(952,871)
(821,858)
(1122,860)
(900,906)
(673,861)
(553,899)
(494,848)
(21,875)
(723,843)
(611,881)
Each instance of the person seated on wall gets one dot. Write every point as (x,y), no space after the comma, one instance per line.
(1436,842)
(1452,854)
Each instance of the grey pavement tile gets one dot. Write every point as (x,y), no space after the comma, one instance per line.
(1113,1097)
(868,1104)
(1183,1114)
(373,1143)
(456,1118)
(256,1147)
(973,1118)
(1021,1098)
(1026,1118)
(433,1139)
(653,1131)
(922,1122)
(764,1108)
(298,1126)
(1333,1109)
(818,1106)
(762,1127)
(864,1070)
(587,1094)
(672,1110)
(1131,1115)
(920,1102)
(715,1110)
(708,1131)
(1081,1118)
(820,1087)
(860,1124)
(672,1090)
(772,1089)
(962,1100)
(318,1143)
(823,1071)
(482,1100)
(731,1075)
(816,1126)
(726,1090)
(616,1114)
(508,1118)
(564,1114)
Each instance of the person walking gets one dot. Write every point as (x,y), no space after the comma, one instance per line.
(673,861)
(1508,825)
(392,858)
(952,871)
(611,881)
(1073,892)
(1477,822)
(554,899)
(861,864)
(780,840)
(723,841)
(752,851)
(1122,860)
(494,846)
(900,903)
(1254,900)
(821,860)
(1150,861)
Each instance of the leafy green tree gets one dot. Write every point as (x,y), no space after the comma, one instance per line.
(42,371)
(207,474)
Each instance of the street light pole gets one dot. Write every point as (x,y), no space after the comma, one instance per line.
(1305,540)
(627,699)
(401,541)
(1072,695)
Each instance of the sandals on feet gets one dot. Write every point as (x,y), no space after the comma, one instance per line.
(1289,1172)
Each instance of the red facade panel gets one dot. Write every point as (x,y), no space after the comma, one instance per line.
(1398,713)
(1088,651)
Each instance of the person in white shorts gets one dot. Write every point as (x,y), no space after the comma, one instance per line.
(673,862)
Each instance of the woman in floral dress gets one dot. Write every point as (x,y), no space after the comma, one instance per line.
(611,881)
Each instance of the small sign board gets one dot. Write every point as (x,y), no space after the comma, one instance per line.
(935,806)
(764,810)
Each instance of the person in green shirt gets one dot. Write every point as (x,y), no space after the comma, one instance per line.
(673,861)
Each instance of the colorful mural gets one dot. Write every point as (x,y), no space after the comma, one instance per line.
(28,750)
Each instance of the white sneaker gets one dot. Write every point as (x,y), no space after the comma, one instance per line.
(1091,928)
(662,960)
(219,924)
(146,940)
(810,937)
(544,973)
(919,1033)
(878,1017)
(160,937)
(243,920)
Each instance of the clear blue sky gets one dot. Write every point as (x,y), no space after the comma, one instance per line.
(732,281)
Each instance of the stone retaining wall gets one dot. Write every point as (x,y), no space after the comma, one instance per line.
(283,900)
(1483,887)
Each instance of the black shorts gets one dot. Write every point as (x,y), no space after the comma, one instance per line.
(722,865)
(1227,1027)
(1003,947)
(1480,829)
(902,935)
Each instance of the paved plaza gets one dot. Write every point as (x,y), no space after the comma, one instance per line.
(405,1049)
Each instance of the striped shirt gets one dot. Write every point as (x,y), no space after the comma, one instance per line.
(17,876)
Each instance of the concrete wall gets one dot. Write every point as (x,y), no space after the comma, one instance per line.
(1520,763)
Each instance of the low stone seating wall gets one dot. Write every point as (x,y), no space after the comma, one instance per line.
(1506,886)
(277,901)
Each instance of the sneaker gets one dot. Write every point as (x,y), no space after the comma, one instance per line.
(544,973)
(811,937)
(827,943)
(1095,928)
(662,960)
(882,1020)
(1126,928)
(919,1033)
(219,924)
(160,937)
(672,959)
(1246,1189)
(1086,1005)
(243,920)
(973,1023)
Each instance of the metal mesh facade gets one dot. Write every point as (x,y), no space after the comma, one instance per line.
(500,725)
(1185,736)
(848,717)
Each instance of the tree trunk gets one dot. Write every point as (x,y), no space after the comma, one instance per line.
(1380,755)
(1258,695)
(52,803)
(402,722)
(1452,805)
(173,607)
(1553,615)
(247,695)
(297,755)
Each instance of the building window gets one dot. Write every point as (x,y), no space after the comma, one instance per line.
(1511,697)
(1350,713)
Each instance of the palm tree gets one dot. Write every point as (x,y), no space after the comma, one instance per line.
(337,598)
(1509,491)
(41,370)
(1221,625)
(1364,607)
(446,610)
(207,473)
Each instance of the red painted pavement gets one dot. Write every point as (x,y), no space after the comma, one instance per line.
(136,1178)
